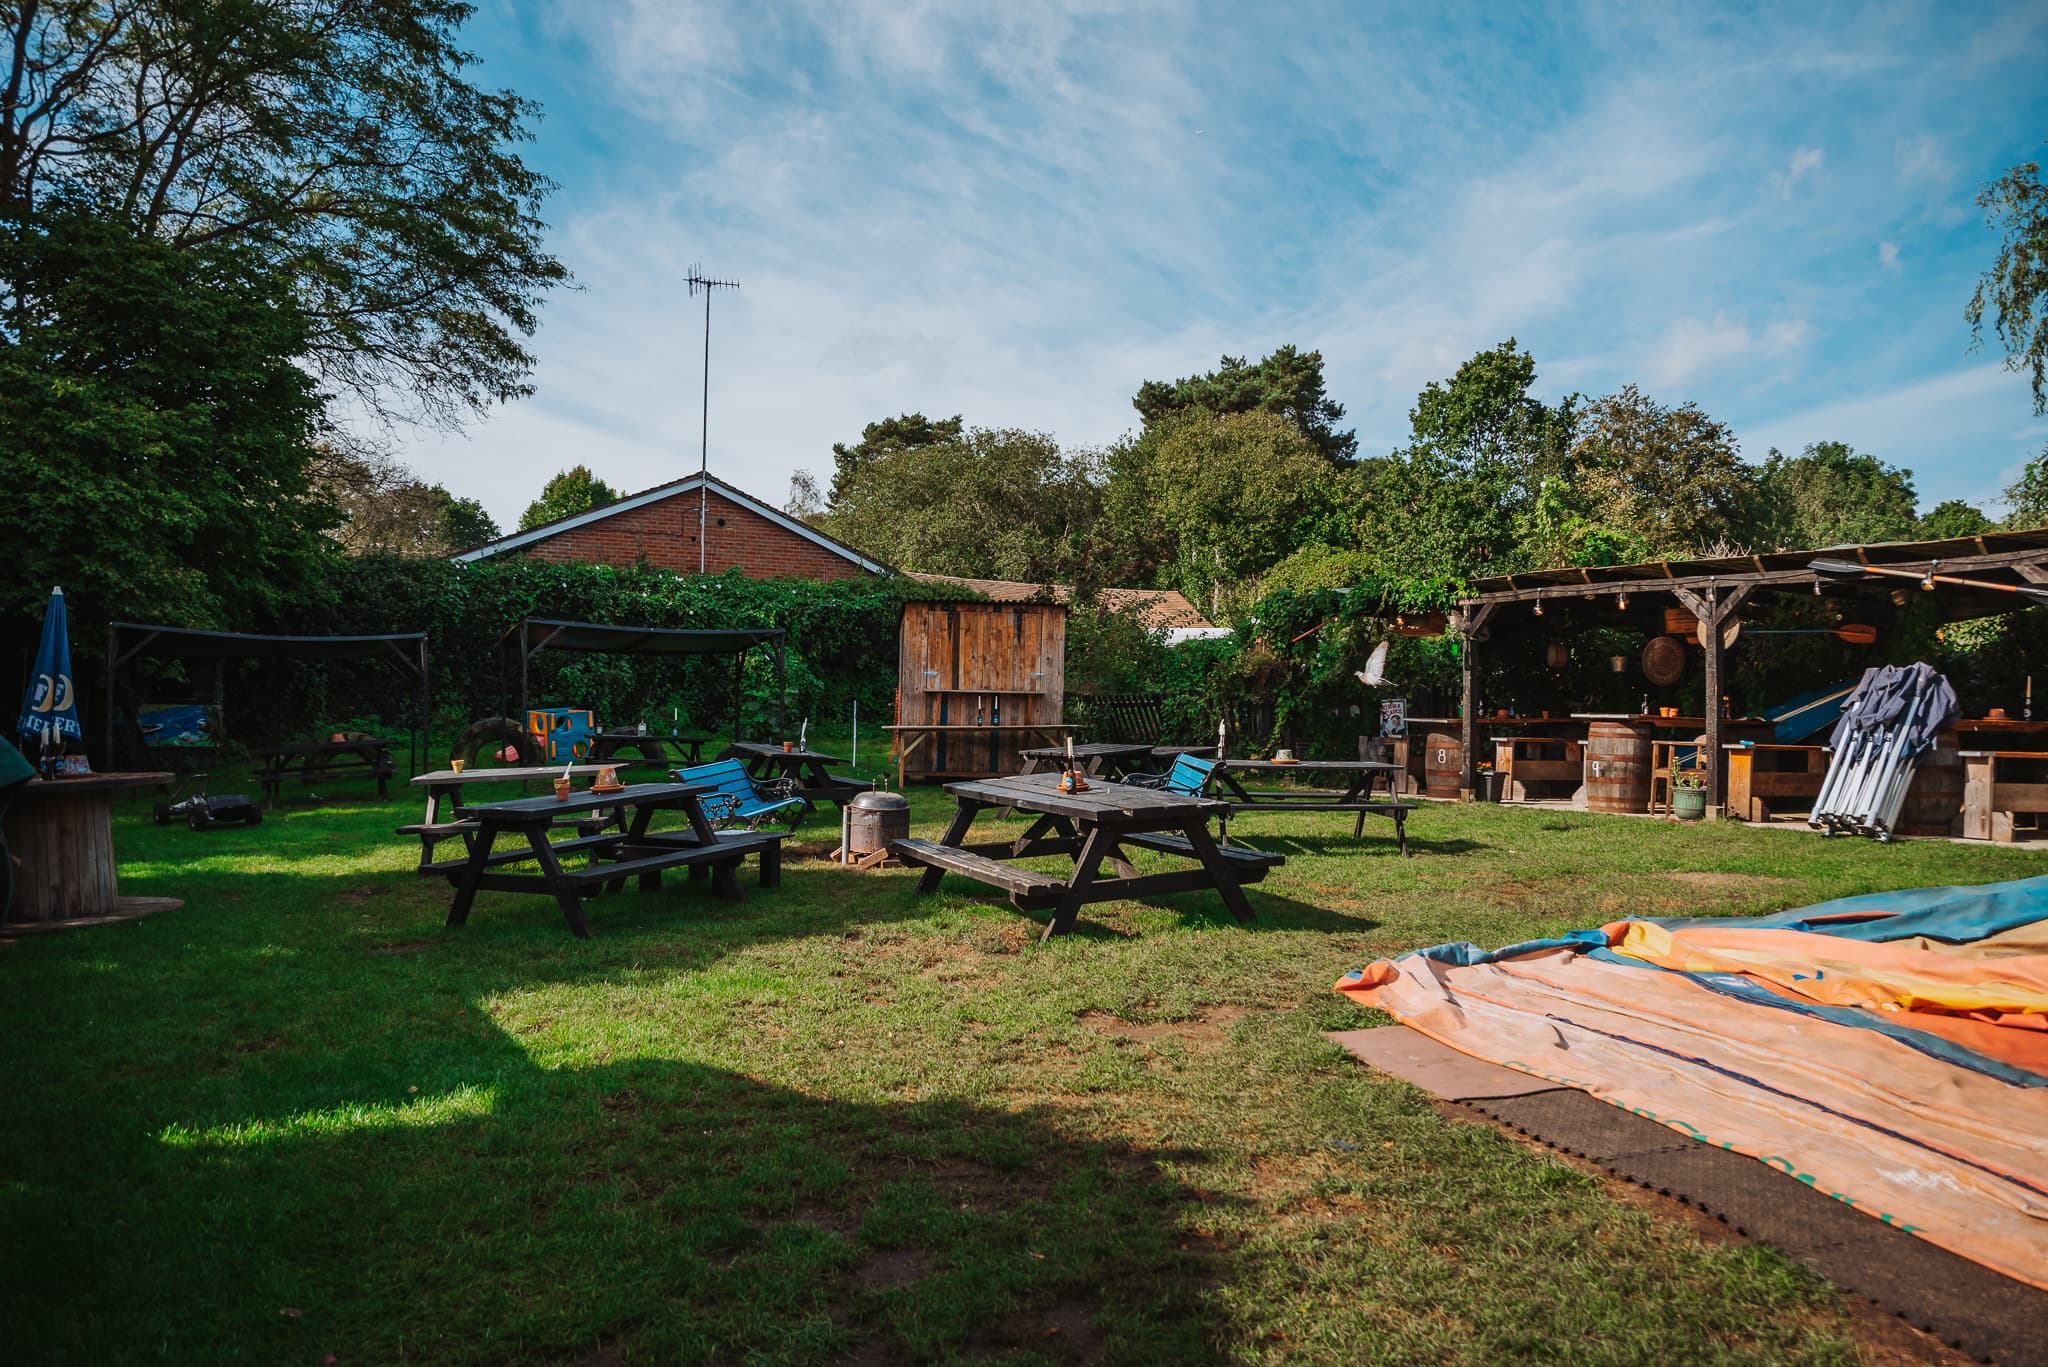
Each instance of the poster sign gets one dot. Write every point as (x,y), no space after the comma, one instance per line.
(1393,717)
(178,726)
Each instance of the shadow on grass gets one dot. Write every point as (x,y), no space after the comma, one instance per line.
(450,1199)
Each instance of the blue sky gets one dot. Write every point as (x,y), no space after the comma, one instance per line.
(1020,212)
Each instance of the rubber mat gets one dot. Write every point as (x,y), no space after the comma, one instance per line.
(1963,1303)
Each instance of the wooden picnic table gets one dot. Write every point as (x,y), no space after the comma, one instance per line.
(810,769)
(444,796)
(1356,795)
(314,760)
(1093,758)
(632,851)
(1093,827)
(912,736)
(649,747)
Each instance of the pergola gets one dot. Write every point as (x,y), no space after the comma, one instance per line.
(2001,567)
(128,642)
(535,634)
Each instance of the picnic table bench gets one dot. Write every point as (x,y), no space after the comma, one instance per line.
(1356,796)
(810,769)
(649,747)
(1093,827)
(631,852)
(316,760)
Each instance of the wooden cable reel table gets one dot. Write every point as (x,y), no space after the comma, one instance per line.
(62,831)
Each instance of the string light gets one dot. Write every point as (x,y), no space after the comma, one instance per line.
(1622,602)
(1539,607)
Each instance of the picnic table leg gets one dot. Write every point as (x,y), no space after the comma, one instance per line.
(1197,832)
(466,881)
(955,834)
(551,873)
(1092,852)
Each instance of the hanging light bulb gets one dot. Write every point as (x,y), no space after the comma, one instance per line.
(1816,587)
(1539,607)
(1898,598)
(1622,602)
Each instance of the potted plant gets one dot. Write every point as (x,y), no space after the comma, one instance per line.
(1689,794)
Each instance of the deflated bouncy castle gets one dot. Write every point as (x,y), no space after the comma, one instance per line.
(1889,1050)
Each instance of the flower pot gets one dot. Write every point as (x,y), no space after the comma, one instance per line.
(1689,804)
(1490,786)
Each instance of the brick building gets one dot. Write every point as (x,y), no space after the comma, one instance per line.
(659,525)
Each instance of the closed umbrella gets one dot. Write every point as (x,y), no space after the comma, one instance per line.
(51,701)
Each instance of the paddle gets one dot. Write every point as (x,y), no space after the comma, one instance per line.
(1855,633)
(1848,569)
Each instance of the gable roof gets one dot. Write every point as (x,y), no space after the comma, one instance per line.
(688,484)
(1158,609)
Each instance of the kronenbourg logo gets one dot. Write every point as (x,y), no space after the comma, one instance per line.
(53,693)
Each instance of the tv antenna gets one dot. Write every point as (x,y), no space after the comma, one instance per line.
(703,282)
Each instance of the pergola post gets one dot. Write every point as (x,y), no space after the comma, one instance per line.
(1715,611)
(1471,630)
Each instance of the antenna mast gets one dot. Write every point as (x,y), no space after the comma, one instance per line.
(703,282)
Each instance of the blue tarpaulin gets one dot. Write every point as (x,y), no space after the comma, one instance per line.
(51,700)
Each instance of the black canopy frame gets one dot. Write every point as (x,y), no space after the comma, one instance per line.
(128,642)
(535,634)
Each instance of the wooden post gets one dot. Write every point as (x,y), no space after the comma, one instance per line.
(1715,610)
(1471,628)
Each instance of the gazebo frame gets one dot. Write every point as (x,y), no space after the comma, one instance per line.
(535,634)
(1716,590)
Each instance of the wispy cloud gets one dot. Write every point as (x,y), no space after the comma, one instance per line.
(1011,214)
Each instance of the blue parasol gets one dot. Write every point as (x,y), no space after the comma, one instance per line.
(51,698)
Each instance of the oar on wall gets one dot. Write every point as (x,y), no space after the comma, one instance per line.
(1855,633)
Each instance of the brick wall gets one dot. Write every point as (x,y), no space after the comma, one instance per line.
(665,532)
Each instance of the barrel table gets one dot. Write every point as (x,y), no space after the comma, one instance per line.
(62,832)
(1617,767)
(1443,767)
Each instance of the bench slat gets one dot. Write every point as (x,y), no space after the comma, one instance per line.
(1022,882)
(513,853)
(669,858)
(1180,844)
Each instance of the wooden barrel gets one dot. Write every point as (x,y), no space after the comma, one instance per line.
(1934,802)
(1443,766)
(1617,767)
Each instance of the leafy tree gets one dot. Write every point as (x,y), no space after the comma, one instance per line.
(385,510)
(1232,496)
(1831,495)
(1952,517)
(573,491)
(2016,286)
(1289,382)
(1667,478)
(1457,501)
(2026,498)
(155,429)
(336,140)
(991,503)
(879,439)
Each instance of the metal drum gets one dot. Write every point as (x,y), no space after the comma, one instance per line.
(1443,766)
(875,819)
(1617,767)
(1934,804)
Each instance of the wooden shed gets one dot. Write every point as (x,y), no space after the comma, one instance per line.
(977,683)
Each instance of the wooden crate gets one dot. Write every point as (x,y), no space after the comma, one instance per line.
(995,662)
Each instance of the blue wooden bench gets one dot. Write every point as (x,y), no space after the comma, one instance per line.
(738,797)
(1188,777)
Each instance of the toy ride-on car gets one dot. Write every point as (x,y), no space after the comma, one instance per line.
(200,811)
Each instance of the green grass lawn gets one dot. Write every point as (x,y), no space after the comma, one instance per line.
(298,1118)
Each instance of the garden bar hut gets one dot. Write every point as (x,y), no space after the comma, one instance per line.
(535,634)
(1706,600)
(131,642)
(977,683)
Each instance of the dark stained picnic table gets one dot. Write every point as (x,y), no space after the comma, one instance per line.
(1093,758)
(649,747)
(815,781)
(444,796)
(1227,783)
(1093,827)
(315,760)
(633,851)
